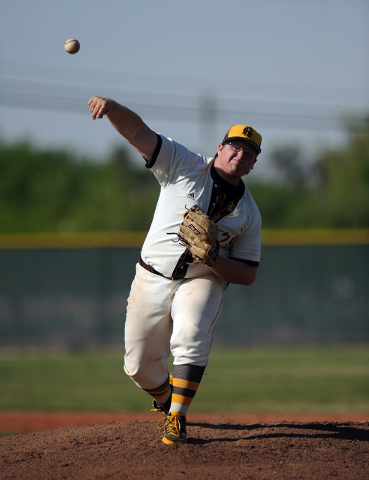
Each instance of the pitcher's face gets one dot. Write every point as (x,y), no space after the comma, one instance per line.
(235,159)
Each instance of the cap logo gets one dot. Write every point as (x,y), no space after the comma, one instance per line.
(248,131)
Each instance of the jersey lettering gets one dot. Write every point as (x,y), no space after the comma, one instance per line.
(216,217)
(227,241)
(222,199)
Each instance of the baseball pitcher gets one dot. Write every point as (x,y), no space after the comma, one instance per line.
(205,234)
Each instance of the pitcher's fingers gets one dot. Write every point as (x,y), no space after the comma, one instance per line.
(94,110)
(97,110)
(101,111)
(92,102)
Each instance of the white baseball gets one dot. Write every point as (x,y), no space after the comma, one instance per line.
(72,46)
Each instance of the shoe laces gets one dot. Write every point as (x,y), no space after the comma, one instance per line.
(156,407)
(158,410)
(172,423)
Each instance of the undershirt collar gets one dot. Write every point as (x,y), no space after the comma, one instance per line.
(235,191)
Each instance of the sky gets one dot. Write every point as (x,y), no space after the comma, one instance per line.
(293,69)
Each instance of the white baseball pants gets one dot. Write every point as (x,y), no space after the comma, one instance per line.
(169,316)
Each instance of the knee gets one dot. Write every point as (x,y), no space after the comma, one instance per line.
(146,374)
(190,345)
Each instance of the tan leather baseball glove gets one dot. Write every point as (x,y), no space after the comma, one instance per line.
(200,235)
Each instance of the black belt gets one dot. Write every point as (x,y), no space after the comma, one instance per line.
(178,274)
(151,269)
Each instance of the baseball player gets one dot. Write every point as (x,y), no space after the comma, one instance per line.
(205,234)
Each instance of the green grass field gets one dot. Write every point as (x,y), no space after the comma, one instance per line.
(332,379)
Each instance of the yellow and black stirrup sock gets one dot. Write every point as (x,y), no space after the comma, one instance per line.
(186,381)
(160,394)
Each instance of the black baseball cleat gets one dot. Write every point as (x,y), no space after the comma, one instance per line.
(164,409)
(174,429)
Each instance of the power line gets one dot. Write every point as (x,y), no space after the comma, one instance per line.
(46,96)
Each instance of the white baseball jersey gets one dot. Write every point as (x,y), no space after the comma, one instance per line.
(186,179)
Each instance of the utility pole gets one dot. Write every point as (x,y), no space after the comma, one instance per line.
(208,121)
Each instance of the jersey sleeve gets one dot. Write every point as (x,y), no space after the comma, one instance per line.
(247,247)
(172,160)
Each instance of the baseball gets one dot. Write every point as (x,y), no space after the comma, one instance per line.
(72,46)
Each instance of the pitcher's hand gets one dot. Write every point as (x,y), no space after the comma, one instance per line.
(99,106)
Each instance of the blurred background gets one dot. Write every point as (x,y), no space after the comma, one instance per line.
(76,202)
(296,71)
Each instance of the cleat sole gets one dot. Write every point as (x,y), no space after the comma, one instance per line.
(172,442)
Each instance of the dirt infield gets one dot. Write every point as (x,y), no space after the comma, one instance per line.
(219,447)
(31,421)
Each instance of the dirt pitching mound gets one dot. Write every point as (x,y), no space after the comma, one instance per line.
(133,450)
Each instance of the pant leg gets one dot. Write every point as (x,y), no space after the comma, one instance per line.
(195,309)
(148,329)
